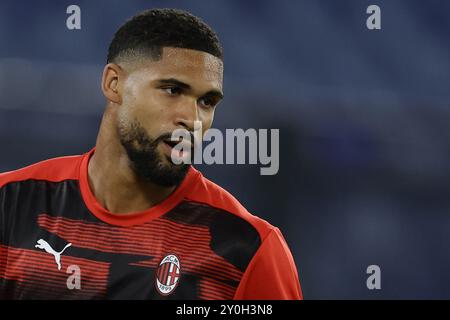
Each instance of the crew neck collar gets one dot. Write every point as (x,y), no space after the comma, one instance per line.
(133,218)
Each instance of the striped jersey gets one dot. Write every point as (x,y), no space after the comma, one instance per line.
(58,242)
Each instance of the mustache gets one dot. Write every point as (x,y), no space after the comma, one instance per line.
(147,142)
(168,136)
(161,138)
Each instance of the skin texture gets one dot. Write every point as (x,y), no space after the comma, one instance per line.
(139,95)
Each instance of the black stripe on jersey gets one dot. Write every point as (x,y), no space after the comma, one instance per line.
(232,238)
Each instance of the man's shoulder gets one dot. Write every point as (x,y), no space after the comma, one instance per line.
(54,170)
(210,193)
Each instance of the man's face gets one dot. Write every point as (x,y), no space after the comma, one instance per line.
(161,96)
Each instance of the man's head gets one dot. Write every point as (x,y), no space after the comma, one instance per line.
(164,72)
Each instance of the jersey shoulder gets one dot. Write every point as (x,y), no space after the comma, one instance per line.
(54,170)
(207,192)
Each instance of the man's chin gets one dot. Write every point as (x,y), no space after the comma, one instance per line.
(165,174)
(155,167)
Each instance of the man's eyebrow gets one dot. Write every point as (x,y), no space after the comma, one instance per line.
(176,82)
(212,93)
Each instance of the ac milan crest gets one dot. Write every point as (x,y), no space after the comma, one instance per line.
(168,274)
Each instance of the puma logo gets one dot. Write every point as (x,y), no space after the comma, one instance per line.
(42,244)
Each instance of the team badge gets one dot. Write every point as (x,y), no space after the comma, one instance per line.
(168,274)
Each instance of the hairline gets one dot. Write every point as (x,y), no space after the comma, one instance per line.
(132,58)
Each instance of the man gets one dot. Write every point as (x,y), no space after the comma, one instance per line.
(123,221)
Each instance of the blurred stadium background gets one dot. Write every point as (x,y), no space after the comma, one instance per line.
(364,121)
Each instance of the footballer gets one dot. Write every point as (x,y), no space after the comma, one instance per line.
(122,221)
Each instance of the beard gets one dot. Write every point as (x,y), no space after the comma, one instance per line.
(146,162)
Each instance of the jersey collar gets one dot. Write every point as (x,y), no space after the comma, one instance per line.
(133,218)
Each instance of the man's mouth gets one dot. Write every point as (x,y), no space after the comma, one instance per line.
(182,144)
(183,150)
(171,143)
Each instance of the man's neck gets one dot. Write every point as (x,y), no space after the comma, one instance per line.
(111,179)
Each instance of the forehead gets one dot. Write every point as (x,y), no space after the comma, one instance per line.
(185,65)
(180,58)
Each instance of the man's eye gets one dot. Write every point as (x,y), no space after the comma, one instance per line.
(173,90)
(208,103)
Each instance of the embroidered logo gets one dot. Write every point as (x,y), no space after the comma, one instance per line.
(168,274)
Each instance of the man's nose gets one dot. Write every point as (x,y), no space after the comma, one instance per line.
(187,114)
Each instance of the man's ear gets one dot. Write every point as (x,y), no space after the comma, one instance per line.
(112,73)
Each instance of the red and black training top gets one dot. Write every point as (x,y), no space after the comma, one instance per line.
(58,242)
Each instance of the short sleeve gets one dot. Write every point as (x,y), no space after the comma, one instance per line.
(2,239)
(271,274)
(2,217)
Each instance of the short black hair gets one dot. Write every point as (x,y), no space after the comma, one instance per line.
(151,30)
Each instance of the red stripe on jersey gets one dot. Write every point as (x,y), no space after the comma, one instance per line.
(39,268)
(121,237)
(16,255)
(54,170)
